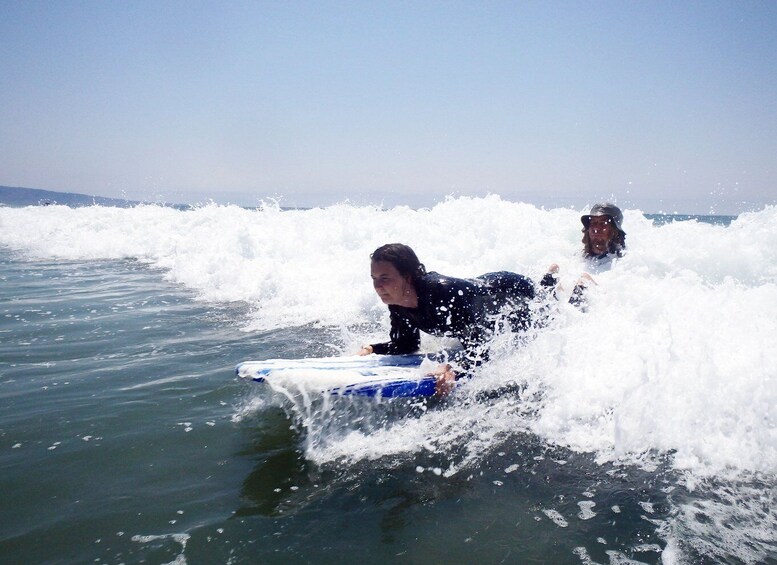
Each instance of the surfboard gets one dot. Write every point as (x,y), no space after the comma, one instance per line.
(385,376)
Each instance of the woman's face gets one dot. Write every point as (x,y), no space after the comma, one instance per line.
(390,285)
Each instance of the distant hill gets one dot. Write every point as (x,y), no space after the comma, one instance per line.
(17,197)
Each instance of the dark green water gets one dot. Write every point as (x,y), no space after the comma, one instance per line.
(126,438)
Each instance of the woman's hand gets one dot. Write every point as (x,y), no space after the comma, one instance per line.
(445,380)
(365,350)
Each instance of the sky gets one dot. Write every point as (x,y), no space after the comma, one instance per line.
(656,105)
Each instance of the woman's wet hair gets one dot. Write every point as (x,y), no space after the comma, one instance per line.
(402,257)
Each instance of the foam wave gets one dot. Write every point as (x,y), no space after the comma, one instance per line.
(675,355)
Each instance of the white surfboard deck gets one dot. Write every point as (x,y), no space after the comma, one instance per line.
(385,376)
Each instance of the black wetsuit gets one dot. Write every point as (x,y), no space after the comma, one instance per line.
(467,309)
(596,264)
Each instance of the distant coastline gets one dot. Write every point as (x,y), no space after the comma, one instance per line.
(17,197)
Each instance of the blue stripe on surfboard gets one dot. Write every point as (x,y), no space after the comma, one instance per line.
(394,389)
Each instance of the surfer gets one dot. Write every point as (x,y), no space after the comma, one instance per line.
(467,309)
(603,236)
(603,240)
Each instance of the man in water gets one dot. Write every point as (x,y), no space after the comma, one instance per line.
(602,232)
(603,240)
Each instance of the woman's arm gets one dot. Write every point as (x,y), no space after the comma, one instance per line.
(405,338)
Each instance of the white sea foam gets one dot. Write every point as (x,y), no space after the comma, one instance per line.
(556,517)
(674,355)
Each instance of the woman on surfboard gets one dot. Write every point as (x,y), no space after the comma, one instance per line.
(467,309)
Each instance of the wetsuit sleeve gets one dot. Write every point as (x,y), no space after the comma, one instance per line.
(547,295)
(549,281)
(405,337)
(578,297)
(548,287)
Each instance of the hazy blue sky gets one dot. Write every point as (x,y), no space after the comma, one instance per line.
(661,105)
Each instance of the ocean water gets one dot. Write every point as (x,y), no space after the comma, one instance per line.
(643,430)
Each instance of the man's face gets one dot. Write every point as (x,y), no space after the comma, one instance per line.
(601,231)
